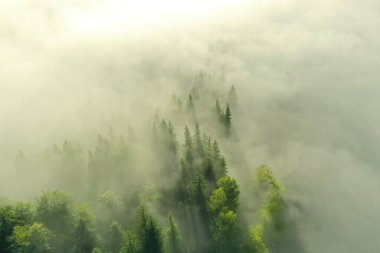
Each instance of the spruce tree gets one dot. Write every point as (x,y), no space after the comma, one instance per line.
(227,120)
(198,192)
(174,241)
(130,244)
(148,233)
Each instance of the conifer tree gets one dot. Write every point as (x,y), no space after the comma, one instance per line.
(208,170)
(222,169)
(130,244)
(148,233)
(174,241)
(216,151)
(227,120)
(198,192)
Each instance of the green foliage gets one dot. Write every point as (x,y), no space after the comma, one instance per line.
(130,244)
(217,201)
(201,158)
(265,180)
(223,205)
(225,227)
(6,226)
(273,210)
(22,213)
(96,250)
(19,214)
(231,190)
(272,213)
(35,238)
(85,237)
(174,242)
(224,117)
(198,191)
(114,238)
(227,120)
(54,209)
(257,244)
(148,233)
(203,198)
(108,200)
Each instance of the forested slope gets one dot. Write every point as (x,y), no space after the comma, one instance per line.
(170,192)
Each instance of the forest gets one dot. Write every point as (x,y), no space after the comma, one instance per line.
(190,203)
(173,126)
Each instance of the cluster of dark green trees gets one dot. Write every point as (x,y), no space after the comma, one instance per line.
(189,205)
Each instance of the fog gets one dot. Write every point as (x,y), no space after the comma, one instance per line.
(305,72)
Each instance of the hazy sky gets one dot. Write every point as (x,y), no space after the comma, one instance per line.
(306,72)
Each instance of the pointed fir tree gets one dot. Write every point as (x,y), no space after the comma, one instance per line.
(227,120)
(130,244)
(222,169)
(198,196)
(148,233)
(174,242)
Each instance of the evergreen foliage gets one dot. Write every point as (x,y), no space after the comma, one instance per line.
(195,189)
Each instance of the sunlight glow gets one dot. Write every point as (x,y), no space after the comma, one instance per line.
(116,15)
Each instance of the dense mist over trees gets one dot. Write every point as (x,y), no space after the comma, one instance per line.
(170,126)
(100,205)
